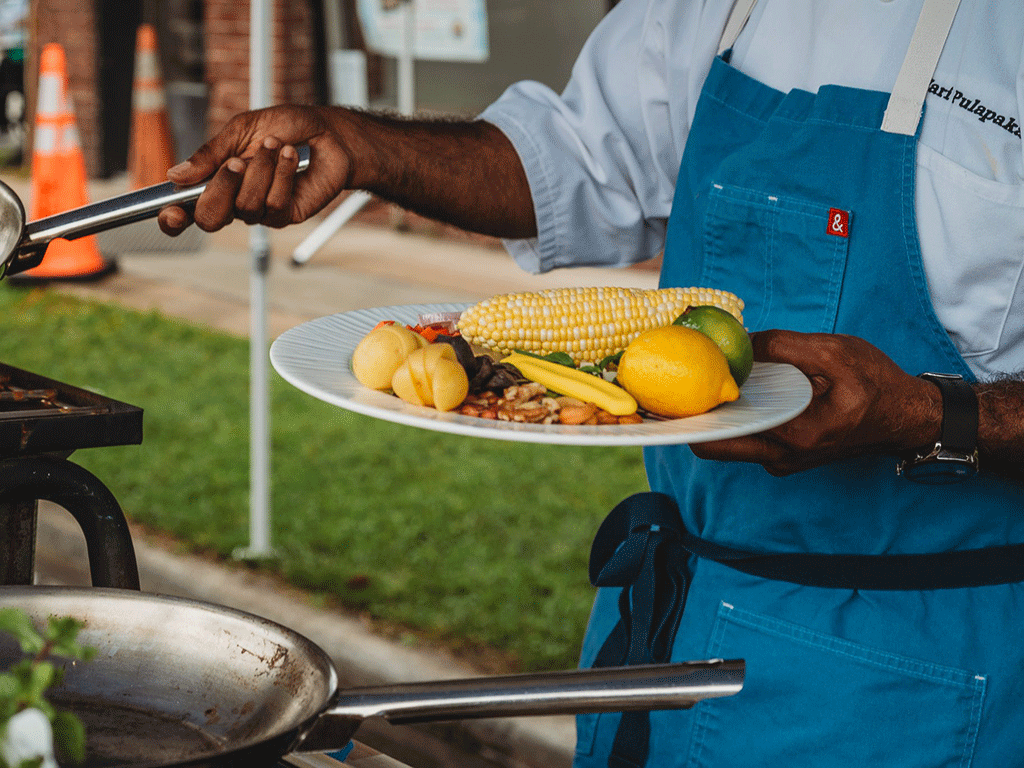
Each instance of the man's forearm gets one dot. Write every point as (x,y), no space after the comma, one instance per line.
(1001,427)
(465,173)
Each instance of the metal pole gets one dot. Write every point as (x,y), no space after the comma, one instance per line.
(406,73)
(259,247)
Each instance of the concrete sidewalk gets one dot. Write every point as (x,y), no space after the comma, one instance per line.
(206,280)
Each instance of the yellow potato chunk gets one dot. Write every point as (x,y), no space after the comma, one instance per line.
(431,376)
(380,352)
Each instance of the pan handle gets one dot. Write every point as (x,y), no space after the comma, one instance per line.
(608,689)
(116,211)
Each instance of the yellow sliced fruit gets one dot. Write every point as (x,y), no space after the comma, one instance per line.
(574,383)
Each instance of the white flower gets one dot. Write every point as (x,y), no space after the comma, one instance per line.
(28,735)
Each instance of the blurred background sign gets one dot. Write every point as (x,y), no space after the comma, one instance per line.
(446,30)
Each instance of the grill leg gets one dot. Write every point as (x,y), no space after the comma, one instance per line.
(18,534)
(107,538)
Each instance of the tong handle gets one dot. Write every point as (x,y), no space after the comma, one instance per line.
(111,213)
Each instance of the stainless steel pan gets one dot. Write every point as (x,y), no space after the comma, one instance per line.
(176,682)
(22,246)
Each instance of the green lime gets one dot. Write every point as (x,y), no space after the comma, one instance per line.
(727,332)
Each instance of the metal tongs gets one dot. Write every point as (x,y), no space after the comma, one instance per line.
(22,246)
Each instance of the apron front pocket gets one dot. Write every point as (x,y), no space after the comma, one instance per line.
(779,254)
(814,699)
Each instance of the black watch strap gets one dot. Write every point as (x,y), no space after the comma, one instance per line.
(959,413)
(955,455)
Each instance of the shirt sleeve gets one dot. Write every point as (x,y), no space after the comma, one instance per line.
(602,157)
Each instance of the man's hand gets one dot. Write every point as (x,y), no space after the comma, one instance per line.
(862,403)
(465,173)
(251,166)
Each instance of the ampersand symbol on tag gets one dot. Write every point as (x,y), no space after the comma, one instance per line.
(838,222)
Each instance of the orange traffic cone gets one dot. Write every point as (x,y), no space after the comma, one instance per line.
(150,153)
(58,176)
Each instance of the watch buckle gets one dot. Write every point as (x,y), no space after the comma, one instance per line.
(958,464)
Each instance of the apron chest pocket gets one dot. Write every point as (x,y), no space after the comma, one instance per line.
(831,702)
(777,253)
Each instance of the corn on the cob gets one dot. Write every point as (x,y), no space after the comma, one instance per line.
(586,323)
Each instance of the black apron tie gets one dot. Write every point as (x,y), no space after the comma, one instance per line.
(638,547)
(643,548)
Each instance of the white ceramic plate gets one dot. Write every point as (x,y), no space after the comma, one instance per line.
(315,357)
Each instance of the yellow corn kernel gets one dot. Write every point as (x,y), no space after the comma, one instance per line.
(586,323)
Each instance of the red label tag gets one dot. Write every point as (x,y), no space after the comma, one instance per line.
(838,222)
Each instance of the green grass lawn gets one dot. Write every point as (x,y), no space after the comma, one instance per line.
(474,543)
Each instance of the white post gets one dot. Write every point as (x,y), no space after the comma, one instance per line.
(259,246)
(406,73)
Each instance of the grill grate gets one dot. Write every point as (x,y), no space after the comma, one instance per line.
(41,415)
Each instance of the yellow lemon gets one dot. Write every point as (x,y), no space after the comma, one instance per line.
(676,371)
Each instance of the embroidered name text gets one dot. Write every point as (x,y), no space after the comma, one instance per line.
(984,113)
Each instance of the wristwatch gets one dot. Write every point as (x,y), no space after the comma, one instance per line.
(955,456)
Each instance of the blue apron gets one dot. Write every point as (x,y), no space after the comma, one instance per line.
(803,206)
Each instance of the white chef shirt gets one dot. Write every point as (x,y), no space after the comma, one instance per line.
(602,157)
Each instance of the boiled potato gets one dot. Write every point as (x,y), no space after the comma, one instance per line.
(432,376)
(380,352)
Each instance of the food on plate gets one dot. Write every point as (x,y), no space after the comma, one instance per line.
(675,353)
(432,376)
(676,371)
(727,332)
(380,352)
(575,383)
(532,403)
(588,324)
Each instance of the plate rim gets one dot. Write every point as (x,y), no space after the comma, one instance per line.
(647,434)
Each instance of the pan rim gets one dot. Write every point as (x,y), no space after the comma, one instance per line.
(9,197)
(273,743)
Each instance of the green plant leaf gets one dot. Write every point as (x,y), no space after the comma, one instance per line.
(62,633)
(40,677)
(612,359)
(69,736)
(561,358)
(17,624)
(25,684)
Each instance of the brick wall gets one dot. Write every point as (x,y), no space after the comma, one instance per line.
(73,26)
(226,31)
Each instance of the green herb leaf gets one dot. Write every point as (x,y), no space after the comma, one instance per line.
(610,360)
(61,632)
(17,624)
(69,736)
(40,677)
(555,357)
(26,682)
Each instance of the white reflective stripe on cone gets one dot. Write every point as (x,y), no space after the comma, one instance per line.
(51,88)
(45,139)
(148,96)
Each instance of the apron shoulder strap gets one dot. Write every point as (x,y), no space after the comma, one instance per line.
(737,20)
(904,111)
